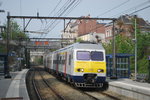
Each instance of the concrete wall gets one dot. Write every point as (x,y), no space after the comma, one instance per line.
(130,90)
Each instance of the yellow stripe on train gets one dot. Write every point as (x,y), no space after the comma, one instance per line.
(90,67)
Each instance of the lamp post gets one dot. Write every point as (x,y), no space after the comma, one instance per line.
(7,46)
(135,32)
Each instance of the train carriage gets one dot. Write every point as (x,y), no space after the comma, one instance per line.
(82,64)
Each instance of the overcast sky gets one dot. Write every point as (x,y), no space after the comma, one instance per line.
(96,8)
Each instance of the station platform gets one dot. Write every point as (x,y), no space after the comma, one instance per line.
(15,87)
(130,88)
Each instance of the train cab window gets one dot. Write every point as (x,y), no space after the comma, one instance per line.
(97,56)
(83,55)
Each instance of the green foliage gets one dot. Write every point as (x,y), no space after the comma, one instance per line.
(108,47)
(39,60)
(2,49)
(126,45)
(15,31)
(123,44)
(143,65)
(143,41)
(79,40)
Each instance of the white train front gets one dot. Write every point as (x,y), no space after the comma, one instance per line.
(82,64)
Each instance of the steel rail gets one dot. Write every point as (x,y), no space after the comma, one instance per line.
(35,87)
(55,92)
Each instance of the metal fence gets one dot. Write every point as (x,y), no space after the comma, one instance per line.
(122,67)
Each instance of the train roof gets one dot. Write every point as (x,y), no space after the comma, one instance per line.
(79,45)
(85,45)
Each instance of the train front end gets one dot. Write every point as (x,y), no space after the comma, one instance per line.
(90,68)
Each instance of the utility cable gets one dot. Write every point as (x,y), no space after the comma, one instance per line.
(133,8)
(70,9)
(65,10)
(114,8)
(55,7)
(140,10)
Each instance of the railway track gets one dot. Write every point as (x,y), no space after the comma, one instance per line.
(43,90)
(35,87)
(101,96)
(98,95)
(47,87)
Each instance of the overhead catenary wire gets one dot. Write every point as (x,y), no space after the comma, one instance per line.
(142,4)
(70,9)
(133,8)
(60,14)
(52,21)
(130,10)
(140,10)
(67,10)
(95,27)
(59,11)
(55,7)
(113,8)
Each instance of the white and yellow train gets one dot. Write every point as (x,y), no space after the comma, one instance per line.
(82,64)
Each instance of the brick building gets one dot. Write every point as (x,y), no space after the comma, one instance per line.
(87,30)
(81,28)
(125,26)
(90,26)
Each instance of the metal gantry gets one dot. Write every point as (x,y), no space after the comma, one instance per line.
(57,18)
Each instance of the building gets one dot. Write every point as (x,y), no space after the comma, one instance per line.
(91,30)
(108,32)
(84,29)
(125,26)
(71,30)
(90,26)
(93,37)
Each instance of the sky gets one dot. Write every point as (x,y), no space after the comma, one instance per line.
(94,8)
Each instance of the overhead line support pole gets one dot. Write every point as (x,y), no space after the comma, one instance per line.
(135,32)
(114,52)
(7,46)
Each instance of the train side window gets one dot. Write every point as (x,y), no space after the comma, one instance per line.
(69,60)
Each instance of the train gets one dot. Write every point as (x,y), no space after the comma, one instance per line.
(82,64)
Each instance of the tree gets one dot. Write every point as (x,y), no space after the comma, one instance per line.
(123,45)
(15,31)
(126,45)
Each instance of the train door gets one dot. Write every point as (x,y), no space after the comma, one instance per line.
(52,67)
(70,62)
(65,63)
(57,62)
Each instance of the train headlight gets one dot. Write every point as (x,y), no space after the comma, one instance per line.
(80,70)
(100,70)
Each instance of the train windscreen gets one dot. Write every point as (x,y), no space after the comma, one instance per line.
(83,55)
(97,56)
(87,55)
